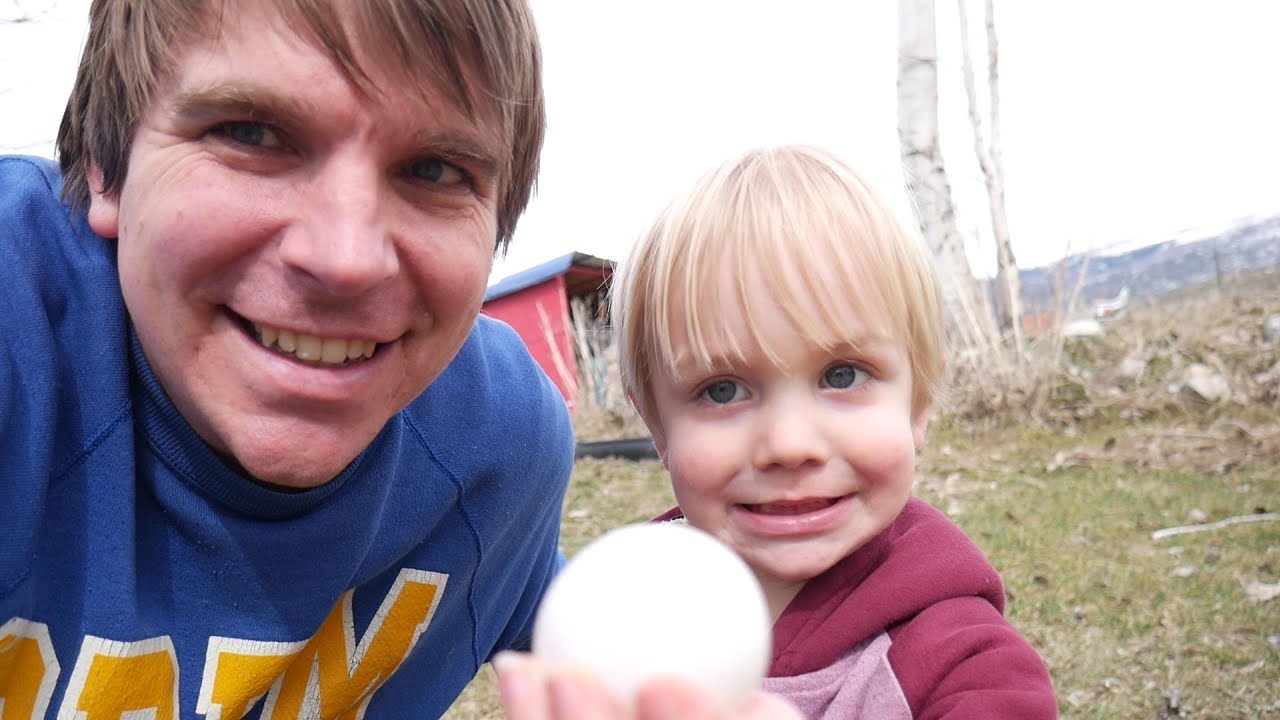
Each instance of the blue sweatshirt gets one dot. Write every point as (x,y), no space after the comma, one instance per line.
(138,571)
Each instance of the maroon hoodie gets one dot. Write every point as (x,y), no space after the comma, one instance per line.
(910,625)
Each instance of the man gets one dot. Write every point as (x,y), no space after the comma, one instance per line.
(260,458)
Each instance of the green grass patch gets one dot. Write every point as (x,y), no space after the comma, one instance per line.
(1130,627)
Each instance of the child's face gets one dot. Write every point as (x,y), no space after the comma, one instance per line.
(794,465)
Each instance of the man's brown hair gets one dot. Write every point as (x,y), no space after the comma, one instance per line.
(133,44)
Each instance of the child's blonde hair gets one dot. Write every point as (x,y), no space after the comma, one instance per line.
(782,212)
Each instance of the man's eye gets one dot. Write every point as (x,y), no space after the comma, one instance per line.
(844,376)
(721,392)
(437,172)
(248,133)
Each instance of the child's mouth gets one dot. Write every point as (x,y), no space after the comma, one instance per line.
(799,507)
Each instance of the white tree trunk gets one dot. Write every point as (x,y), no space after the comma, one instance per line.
(988,153)
(926,174)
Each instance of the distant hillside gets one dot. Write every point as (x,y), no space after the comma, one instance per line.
(1155,270)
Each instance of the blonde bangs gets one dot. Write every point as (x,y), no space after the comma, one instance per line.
(796,228)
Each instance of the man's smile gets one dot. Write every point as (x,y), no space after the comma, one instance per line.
(311,349)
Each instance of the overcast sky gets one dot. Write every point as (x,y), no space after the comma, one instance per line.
(1122,121)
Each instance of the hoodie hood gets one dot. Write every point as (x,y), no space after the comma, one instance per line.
(920,560)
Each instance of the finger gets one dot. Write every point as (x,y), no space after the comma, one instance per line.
(580,696)
(771,707)
(675,700)
(678,700)
(522,687)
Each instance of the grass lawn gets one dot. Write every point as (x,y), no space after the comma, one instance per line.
(1065,504)
(1130,627)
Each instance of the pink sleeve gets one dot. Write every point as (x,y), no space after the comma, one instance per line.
(961,659)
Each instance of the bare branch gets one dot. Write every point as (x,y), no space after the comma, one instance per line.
(1217,525)
(987,152)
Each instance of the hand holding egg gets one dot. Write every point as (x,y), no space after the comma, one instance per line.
(657,601)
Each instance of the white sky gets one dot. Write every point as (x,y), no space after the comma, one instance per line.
(1122,121)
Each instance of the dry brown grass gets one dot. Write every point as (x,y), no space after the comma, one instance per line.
(1127,372)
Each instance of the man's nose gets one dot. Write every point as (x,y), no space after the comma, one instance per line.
(790,434)
(342,239)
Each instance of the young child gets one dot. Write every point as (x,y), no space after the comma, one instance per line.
(781,335)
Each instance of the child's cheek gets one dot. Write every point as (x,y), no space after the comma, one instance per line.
(885,448)
(697,477)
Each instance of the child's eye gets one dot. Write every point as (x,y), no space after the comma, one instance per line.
(841,377)
(722,392)
(437,172)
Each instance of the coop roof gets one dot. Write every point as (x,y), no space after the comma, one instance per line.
(585,273)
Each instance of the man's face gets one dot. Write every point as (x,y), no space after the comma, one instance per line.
(300,260)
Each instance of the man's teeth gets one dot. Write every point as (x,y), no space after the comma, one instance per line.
(312,349)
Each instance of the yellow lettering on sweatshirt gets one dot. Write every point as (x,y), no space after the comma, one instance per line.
(331,676)
(112,678)
(28,669)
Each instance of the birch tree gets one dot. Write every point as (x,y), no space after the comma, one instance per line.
(987,149)
(970,316)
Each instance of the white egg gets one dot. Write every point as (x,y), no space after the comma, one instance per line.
(658,600)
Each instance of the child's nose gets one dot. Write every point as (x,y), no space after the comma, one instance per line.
(790,436)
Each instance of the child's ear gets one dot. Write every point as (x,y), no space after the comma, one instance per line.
(655,428)
(919,427)
(104,208)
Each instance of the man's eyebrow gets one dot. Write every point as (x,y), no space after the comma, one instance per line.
(219,100)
